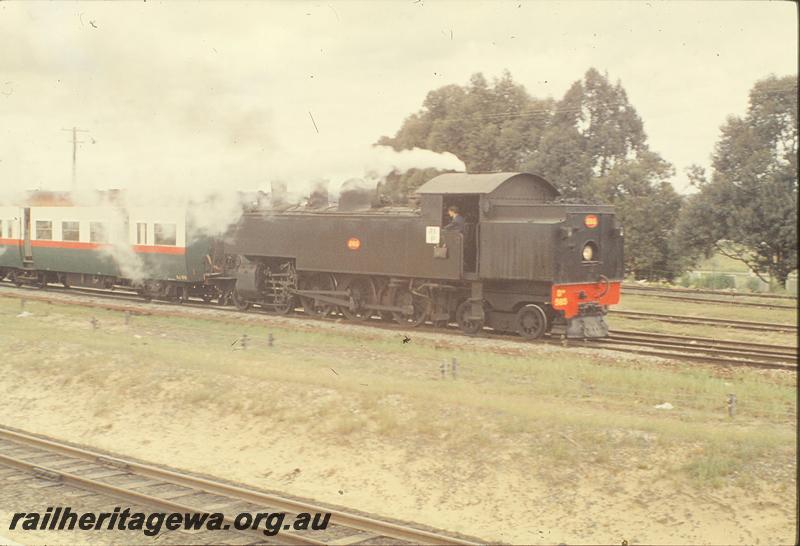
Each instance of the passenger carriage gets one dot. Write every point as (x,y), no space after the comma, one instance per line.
(10,239)
(151,250)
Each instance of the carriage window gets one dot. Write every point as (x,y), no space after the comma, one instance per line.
(165,234)
(3,233)
(98,232)
(70,231)
(141,233)
(44,230)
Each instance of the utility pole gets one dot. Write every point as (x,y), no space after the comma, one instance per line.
(75,143)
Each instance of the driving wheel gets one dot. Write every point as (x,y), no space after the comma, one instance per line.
(467,325)
(362,292)
(421,307)
(314,307)
(531,322)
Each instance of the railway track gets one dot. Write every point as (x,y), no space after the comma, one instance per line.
(727,323)
(665,294)
(706,350)
(765,348)
(162,489)
(721,293)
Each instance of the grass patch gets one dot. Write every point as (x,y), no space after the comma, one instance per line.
(713,468)
(560,408)
(719,332)
(648,304)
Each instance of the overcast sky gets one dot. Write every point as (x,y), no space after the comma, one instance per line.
(199,94)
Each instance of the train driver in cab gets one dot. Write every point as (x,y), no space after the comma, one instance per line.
(457,222)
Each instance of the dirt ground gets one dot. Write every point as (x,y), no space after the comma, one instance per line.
(353,423)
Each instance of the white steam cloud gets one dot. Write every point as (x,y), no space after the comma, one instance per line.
(119,249)
(213,199)
(385,159)
(300,170)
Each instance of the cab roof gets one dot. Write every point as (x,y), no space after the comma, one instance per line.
(518,184)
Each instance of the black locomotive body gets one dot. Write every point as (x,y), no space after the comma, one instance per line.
(523,262)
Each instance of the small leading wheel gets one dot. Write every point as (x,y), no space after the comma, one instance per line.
(531,322)
(283,307)
(240,303)
(468,326)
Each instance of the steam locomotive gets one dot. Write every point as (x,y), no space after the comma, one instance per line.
(524,262)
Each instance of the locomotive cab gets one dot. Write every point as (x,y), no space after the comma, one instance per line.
(532,263)
(435,212)
(480,198)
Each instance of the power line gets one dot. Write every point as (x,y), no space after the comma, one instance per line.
(75,143)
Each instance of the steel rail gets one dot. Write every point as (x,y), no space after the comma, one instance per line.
(697,343)
(692,357)
(724,293)
(636,315)
(688,319)
(95,486)
(703,350)
(237,318)
(707,300)
(132,297)
(353,521)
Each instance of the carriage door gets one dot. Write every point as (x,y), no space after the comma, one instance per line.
(26,236)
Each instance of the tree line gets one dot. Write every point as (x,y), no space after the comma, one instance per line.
(592,145)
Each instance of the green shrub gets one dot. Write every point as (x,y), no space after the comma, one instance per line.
(716,281)
(753,284)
